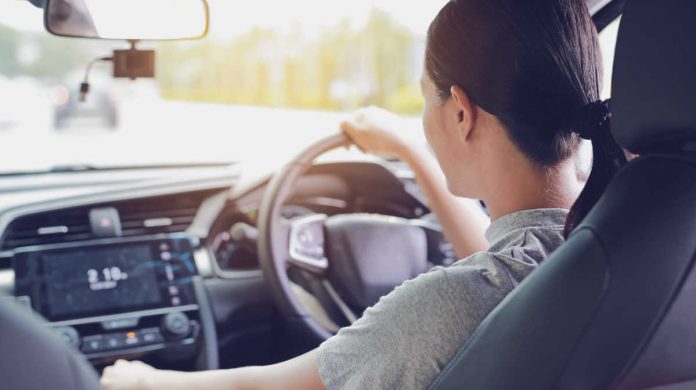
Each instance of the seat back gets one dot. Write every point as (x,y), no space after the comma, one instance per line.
(612,307)
(31,358)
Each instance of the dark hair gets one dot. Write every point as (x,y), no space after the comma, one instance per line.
(536,66)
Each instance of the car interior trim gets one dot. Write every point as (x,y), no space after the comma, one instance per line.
(208,358)
(229,274)
(132,314)
(201,257)
(134,193)
(208,212)
(136,350)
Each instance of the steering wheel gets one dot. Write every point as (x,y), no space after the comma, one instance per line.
(352,259)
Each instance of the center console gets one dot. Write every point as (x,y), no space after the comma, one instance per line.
(117,297)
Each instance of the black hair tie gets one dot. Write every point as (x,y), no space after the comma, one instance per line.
(592,119)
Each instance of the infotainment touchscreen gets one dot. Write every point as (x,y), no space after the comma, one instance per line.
(67,282)
(86,280)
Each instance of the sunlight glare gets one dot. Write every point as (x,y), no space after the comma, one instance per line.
(232,18)
(152,19)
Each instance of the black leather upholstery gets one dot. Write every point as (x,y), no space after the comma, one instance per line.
(653,86)
(614,306)
(31,358)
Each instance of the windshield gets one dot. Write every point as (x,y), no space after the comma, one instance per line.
(270,78)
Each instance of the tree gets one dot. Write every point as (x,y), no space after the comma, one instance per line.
(370,64)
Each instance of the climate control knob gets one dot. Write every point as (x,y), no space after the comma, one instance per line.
(176,324)
(69,335)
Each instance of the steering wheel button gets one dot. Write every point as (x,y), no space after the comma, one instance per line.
(305,237)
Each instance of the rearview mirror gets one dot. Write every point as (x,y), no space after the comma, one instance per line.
(127,19)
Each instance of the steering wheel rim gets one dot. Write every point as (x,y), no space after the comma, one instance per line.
(272,241)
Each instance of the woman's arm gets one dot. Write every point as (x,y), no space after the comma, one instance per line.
(298,373)
(376,131)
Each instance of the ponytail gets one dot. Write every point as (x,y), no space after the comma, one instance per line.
(607,158)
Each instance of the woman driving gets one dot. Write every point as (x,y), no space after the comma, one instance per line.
(511,88)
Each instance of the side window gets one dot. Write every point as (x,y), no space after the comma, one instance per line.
(607,43)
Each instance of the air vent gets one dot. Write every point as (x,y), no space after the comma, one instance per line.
(48,228)
(162,214)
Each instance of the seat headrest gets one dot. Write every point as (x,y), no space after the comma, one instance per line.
(654,79)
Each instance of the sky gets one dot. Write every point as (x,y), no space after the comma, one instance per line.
(230,18)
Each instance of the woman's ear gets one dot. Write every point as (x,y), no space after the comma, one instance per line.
(465,111)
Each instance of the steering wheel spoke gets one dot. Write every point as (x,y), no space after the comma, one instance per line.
(306,243)
(342,306)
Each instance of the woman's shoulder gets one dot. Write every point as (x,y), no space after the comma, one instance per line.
(422,322)
(512,257)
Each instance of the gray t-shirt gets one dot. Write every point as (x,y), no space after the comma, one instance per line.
(406,339)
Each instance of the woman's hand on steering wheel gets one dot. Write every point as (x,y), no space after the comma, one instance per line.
(376,131)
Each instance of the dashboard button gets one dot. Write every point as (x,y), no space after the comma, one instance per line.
(176,324)
(105,222)
(150,336)
(92,344)
(120,324)
(132,339)
(113,341)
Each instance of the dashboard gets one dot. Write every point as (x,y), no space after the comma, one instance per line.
(163,267)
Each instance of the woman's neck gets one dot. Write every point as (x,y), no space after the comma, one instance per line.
(522,185)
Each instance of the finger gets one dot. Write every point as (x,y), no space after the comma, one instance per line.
(109,385)
(349,127)
(139,364)
(106,383)
(351,133)
(344,126)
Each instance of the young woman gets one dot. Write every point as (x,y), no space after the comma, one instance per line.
(510,89)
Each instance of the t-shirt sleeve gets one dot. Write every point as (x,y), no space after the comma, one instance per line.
(405,339)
